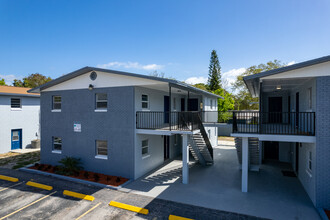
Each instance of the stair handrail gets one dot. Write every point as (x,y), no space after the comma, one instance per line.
(204,134)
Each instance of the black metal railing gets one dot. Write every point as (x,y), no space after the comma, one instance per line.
(205,137)
(183,121)
(285,123)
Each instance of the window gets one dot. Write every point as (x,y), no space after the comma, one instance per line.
(145,102)
(309,165)
(101,149)
(174,103)
(145,147)
(310,98)
(57,102)
(101,101)
(211,103)
(57,144)
(15,103)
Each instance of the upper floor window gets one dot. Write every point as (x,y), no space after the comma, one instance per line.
(101,101)
(15,103)
(211,103)
(57,144)
(57,102)
(101,149)
(145,102)
(174,103)
(310,98)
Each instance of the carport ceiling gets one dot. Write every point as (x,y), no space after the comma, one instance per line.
(270,85)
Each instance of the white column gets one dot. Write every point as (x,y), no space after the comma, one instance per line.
(245,163)
(185,159)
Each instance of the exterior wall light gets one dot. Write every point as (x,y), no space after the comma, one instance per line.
(278,87)
(90,87)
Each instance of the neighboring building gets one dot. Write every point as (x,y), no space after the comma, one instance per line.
(19,116)
(124,124)
(292,125)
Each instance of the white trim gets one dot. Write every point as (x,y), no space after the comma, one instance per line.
(163,132)
(57,151)
(100,110)
(56,110)
(16,109)
(145,156)
(103,157)
(281,138)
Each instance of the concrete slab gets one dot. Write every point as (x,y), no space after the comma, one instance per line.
(271,195)
(23,151)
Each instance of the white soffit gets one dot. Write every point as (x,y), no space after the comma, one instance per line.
(103,80)
(322,69)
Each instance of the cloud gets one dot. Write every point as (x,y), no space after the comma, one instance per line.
(291,63)
(9,79)
(231,75)
(131,65)
(195,80)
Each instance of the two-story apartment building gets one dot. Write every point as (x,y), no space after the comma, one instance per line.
(19,116)
(122,123)
(292,124)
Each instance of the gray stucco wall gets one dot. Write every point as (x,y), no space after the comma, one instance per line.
(323,142)
(116,126)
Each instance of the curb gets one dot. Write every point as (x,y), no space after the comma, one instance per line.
(25,169)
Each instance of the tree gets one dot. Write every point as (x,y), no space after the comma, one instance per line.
(243,99)
(201,86)
(32,81)
(2,82)
(225,104)
(214,81)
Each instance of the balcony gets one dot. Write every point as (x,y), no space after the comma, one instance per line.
(274,123)
(172,121)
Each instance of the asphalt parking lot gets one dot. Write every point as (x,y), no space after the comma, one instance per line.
(20,201)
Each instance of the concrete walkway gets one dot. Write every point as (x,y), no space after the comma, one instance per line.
(24,151)
(271,195)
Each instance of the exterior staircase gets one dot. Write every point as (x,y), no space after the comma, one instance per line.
(199,147)
(254,152)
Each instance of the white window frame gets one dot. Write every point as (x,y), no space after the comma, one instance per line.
(53,102)
(310,162)
(145,101)
(174,104)
(145,155)
(101,156)
(58,143)
(310,101)
(97,100)
(20,103)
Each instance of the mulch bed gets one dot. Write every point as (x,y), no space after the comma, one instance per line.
(85,175)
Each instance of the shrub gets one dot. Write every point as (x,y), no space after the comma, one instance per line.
(118,180)
(96,177)
(70,166)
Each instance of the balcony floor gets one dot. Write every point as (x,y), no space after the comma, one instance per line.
(271,195)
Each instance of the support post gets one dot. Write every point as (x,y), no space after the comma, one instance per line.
(170,107)
(185,159)
(245,163)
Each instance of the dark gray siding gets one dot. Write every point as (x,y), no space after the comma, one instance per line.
(323,142)
(117,126)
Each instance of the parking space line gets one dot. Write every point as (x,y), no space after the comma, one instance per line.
(174,217)
(129,207)
(78,195)
(39,185)
(18,210)
(94,207)
(8,178)
(10,187)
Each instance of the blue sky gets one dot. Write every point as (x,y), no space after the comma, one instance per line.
(174,37)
